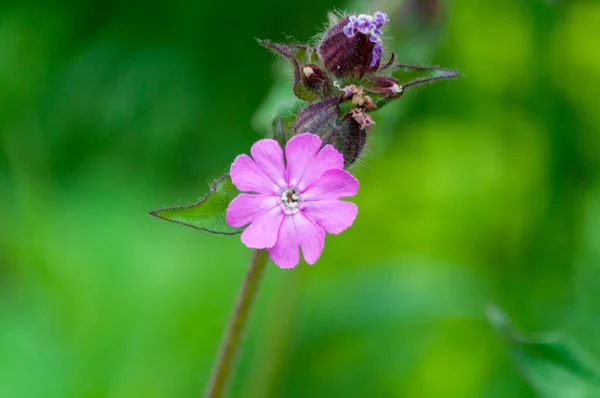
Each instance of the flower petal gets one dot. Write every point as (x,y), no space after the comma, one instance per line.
(328,158)
(297,230)
(263,231)
(333,216)
(300,152)
(285,252)
(311,237)
(247,176)
(268,155)
(333,184)
(246,208)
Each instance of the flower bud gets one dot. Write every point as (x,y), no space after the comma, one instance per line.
(350,139)
(313,76)
(353,47)
(319,118)
(310,82)
(386,86)
(348,136)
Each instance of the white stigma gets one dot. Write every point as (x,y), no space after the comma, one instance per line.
(307,70)
(397,88)
(290,200)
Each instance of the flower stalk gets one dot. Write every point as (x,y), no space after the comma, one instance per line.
(229,348)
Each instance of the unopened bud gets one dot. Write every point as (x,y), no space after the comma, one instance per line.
(353,47)
(313,77)
(310,82)
(385,86)
(348,135)
(350,139)
(319,118)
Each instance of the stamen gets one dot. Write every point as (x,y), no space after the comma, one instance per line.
(290,200)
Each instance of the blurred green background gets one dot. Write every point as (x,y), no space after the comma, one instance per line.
(476,191)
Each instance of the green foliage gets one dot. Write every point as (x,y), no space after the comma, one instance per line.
(554,366)
(413,75)
(209,213)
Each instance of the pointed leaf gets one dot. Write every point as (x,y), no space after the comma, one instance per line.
(209,213)
(554,366)
(293,52)
(413,75)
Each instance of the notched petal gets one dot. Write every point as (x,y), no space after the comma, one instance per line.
(311,238)
(334,216)
(300,152)
(285,253)
(333,184)
(328,158)
(246,208)
(268,155)
(263,232)
(247,176)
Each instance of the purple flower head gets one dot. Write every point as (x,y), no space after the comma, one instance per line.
(345,51)
(370,26)
(365,24)
(377,52)
(291,203)
(352,26)
(380,18)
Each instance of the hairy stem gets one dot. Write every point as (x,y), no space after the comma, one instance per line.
(223,366)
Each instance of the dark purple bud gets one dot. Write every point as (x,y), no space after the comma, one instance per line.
(353,47)
(348,135)
(319,118)
(386,86)
(349,139)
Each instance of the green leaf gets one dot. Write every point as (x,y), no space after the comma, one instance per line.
(554,366)
(414,75)
(209,213)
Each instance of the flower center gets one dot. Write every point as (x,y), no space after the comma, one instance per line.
(290,199)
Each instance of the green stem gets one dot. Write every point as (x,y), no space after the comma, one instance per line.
(233,336)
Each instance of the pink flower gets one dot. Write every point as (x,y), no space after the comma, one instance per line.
(291,204)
